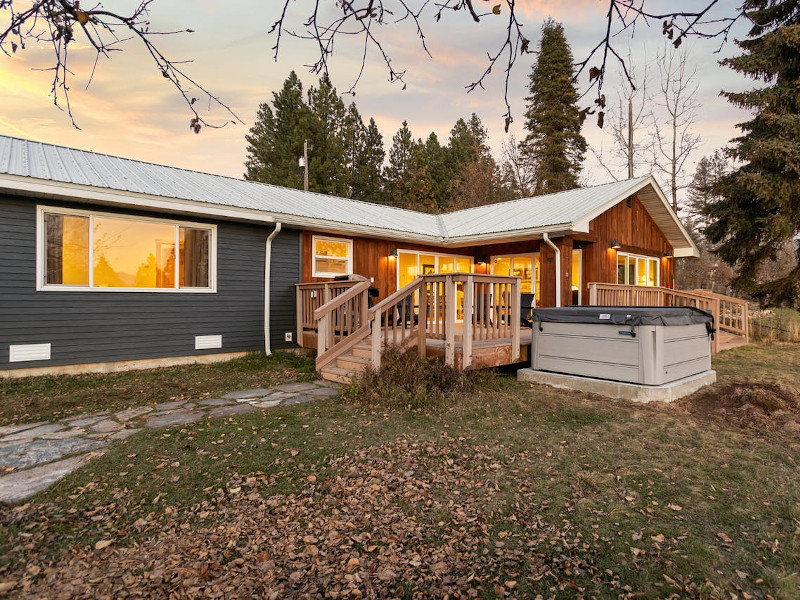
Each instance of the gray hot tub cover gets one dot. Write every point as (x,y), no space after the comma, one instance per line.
(626,315)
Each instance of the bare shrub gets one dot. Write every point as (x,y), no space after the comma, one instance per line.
(408,381)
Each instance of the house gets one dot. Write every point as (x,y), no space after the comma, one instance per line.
(109,263)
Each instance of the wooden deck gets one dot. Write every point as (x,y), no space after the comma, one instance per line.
(485,353)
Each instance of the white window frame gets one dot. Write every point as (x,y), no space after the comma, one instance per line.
(314,256)
(41,253)
(636,268)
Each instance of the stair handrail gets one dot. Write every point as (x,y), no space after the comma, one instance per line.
(403,334)
(352,308)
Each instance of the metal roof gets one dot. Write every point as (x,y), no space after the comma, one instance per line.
(78,174)
(562,208)
(27,158)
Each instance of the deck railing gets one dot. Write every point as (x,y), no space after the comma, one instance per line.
(475,307)
(733,314)
(730,314)
(310,296)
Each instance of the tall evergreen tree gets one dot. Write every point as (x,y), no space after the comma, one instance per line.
(354,139)
(370,182)
(554,145)
(399,171)
(327,168)
(759,206)
(276,140)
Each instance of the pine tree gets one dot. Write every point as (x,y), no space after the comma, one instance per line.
(370,180)
(354,138)
(554,145)
(276,139)
(475,179)
(758,211)
(399,171)
(327,168)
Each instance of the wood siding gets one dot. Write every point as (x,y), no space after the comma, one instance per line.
(637,233)
(633,227)
(92,327)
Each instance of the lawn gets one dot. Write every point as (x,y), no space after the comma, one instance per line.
(50,398)
(514,491)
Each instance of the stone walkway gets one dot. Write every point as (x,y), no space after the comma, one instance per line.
(33,456)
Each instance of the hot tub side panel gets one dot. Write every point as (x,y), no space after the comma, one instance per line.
(601,351)
(654,355)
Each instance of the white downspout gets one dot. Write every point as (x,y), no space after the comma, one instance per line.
(267,264)
(547,241)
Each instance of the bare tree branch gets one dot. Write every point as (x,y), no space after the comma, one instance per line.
(368,18)
(60,22)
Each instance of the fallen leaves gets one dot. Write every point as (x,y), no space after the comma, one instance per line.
(103,544)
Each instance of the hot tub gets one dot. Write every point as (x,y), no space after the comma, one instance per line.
(641,345)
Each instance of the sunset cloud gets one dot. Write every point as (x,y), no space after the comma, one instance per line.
(130,110)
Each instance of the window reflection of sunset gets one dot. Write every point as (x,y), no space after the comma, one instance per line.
(133,253)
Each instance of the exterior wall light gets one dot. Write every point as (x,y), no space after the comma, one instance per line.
(392,252)
(667,254)
(615,245)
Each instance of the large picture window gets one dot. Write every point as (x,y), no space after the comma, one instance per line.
(332,256)
(637,270)
(97,251)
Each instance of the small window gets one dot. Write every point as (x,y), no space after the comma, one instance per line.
(98,251)
(637,270)
(332,256)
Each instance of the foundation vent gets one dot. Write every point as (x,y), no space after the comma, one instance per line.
(207,342)
(28,352)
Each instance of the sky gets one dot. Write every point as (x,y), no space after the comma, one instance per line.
(130,110)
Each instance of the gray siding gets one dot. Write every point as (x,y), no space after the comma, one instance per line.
(88,327)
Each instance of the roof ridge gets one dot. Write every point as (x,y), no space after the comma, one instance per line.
(443,226)
(507,202)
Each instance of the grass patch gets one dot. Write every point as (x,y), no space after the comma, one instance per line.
(508,490)
(48,398)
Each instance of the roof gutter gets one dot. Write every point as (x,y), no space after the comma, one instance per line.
(267,265)
(547,241)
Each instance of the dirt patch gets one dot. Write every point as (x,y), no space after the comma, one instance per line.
(747,404)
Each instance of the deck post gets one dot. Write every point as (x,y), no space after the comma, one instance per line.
(300,309)
(450,321)
(469,305)
(593,293)
(322,334)
(422,319)
(376,341)
(716,312)
(515,317)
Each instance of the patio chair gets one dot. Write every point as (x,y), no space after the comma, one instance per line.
(527,303)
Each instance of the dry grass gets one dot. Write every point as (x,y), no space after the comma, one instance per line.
(515,490)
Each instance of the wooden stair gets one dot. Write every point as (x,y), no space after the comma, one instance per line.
(349,364)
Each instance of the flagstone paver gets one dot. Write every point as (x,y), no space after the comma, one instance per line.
(23,484)
(37,452)
(227,411)
(215,402)
(132,413)
(182,417)
(42,453)
(29,434)
(9,429)
(256,393)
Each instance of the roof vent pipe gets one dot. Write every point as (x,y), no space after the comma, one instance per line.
(547,241)
(267,264)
